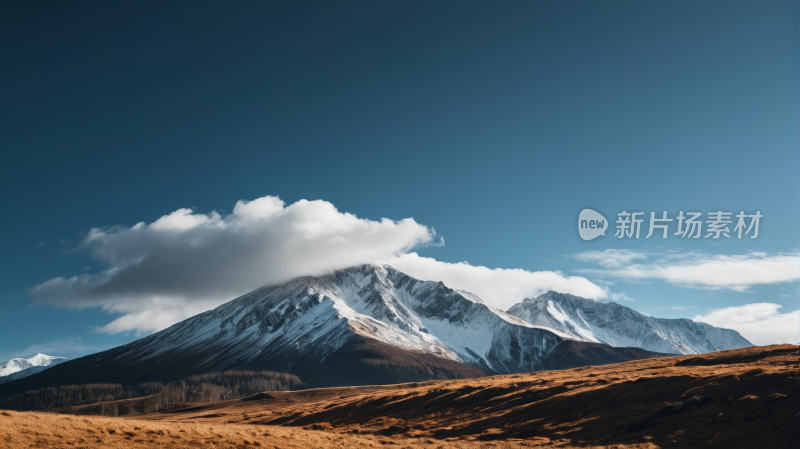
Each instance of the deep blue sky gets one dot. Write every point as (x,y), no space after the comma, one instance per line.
(492,122)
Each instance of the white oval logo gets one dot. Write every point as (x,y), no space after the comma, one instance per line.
(591,224)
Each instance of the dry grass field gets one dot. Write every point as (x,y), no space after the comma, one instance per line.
(48,430)
(741,398)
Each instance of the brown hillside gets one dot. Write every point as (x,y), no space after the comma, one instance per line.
(740,398)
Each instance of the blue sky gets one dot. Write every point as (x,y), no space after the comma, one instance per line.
(491,124)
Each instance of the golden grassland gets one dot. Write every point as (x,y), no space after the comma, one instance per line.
(741,398)
(49,430)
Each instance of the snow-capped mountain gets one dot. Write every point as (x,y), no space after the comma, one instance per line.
(617,325)
(26,372)
(362,325)
(39,360)
(318,315)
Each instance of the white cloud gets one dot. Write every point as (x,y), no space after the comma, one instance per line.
(498,287)
(610,258)
(150,314)
(67,347)
(619,297)
(678,307)
(761,323)
(698,270)
(186,262)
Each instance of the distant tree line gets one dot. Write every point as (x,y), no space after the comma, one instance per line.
(70,395)
(153,396)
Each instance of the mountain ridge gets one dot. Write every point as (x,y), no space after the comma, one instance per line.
(16,365)
(369,324)
(617,325)
(18,368)
(366,324)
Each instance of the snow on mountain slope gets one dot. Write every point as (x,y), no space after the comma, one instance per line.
(28,372)
(617,325)
(319,314)
(364,325)
(15,365)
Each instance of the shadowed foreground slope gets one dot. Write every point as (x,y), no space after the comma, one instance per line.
(744,398)
(739,398)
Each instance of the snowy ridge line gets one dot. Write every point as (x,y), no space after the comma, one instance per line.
(17,365)
(616,325)
(319,314)
(332,321)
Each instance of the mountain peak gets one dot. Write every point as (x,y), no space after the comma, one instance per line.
(381,269)
(617,325)
(365,324)
(18,364)
(43,359)
(316,320)
(554,295)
